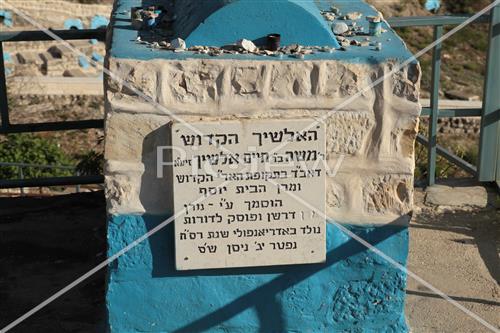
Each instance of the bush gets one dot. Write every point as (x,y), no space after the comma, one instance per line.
(91,163)
(469,152)
(31,149)
(465,6)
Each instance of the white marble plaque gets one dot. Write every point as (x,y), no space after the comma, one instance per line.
(233,190)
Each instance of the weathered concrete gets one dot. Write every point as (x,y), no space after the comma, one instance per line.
(465,197)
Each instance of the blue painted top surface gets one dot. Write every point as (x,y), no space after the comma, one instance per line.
(124,36)
(222,22)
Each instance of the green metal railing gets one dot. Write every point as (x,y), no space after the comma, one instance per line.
(488,169)
(21,167)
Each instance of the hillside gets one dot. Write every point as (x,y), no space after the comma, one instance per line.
(463,70)
(464,54)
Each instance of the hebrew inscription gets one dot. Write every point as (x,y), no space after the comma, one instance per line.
(235,190)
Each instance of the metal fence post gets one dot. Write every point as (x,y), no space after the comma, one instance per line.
(21,176)
(77,188)
(489,154)
(434,110)
(4,106)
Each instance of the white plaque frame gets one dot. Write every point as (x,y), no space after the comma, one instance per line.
(233,182)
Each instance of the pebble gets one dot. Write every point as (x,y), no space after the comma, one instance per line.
(178,44)
(246,45)
(340,28)
(215,53)
(354,16)
(329,16)
(345,43)
(294,48)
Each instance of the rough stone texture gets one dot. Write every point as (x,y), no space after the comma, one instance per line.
(389,192)
(370,146)
(441,195)
(247,81)
(372,131)
(348,131)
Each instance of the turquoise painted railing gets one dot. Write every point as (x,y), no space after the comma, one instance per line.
(488,166)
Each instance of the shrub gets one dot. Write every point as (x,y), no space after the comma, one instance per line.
(31,149)
(91,163)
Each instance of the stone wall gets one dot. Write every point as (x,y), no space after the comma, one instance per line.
(372,131)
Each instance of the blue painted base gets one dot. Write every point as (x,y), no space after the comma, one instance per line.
(354,291)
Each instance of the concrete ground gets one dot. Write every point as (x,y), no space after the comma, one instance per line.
(456,249)
(46,243)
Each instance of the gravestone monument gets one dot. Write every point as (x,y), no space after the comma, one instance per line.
(260,157)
